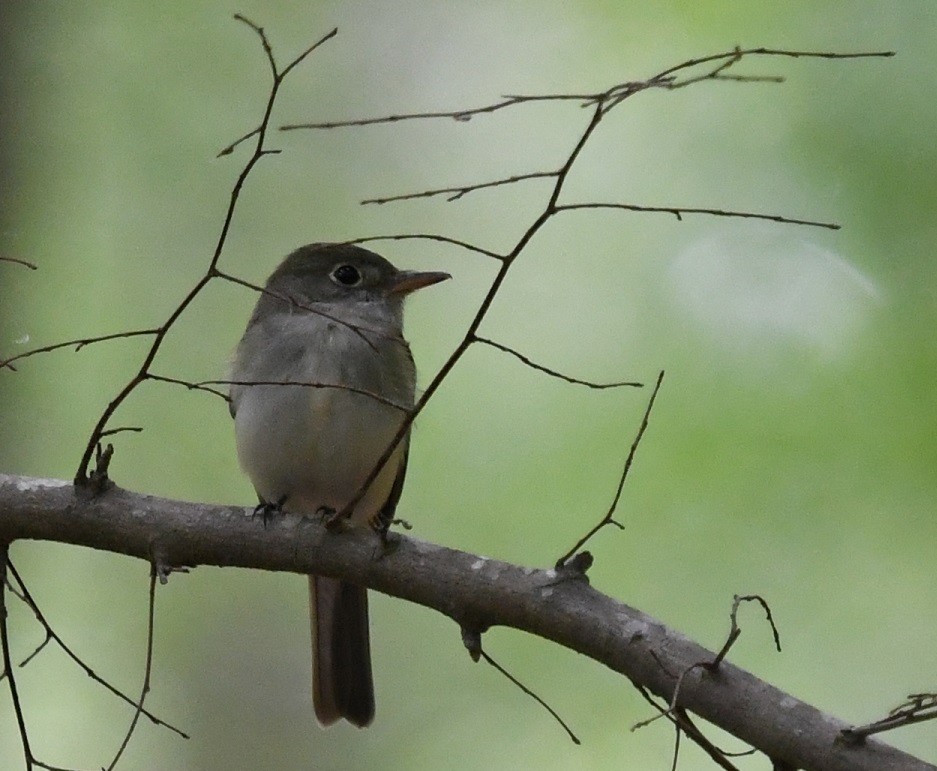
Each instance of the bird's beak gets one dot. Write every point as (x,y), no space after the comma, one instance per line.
(407,281)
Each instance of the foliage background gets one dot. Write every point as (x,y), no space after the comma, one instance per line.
(792,452)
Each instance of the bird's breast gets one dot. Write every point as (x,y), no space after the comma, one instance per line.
(318,425)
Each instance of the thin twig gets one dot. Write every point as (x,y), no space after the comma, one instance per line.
(552,372)
(613,95)
(680,719)
(307,384)
(18,261)
(192,386)
(8,659)
(37,650)
(712,665)
(40,617)
(78,344)
(461,116)
(455,193)
(918,708)
(680,211)
(428,237)
(228,149)
(122,429)
(82,476)
(678,732)
(608,518)
(356,328)
(534,696)
(145,688)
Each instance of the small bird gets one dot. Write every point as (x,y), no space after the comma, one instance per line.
(331,314)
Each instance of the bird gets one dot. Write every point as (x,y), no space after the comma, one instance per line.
(330,316)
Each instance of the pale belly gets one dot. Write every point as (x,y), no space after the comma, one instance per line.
(315,447)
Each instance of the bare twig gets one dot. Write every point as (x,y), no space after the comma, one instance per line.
(8,660)
(192,386)
(735,630)
(78,344)
(713,664)
(121,430)
(608,519)
(680,211)
(681,721)
(18,261)
(918,708)
(552,372)
(206,385)
(308,384)
(277,74)
(534,696)
(51,633)
(455,193)
(614,95)
(359,330)
(429,237)
(82,475)
(145,688)
(461,116)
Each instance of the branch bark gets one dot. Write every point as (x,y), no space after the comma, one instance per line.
(476,592)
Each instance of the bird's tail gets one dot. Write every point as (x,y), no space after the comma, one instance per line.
(341,652)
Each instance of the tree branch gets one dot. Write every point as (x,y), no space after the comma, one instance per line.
(476,592)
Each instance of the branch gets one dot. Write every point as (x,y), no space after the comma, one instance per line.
(614,95)
(477,593)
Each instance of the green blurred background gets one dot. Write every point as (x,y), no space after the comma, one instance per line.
(792,451)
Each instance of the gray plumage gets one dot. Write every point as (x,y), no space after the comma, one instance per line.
(331,315)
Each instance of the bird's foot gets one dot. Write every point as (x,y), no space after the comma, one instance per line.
(267,510)
(331,518)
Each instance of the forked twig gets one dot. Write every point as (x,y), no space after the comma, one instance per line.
(260,150)
(601,104)
(713,665)
(51,633)
(918,708)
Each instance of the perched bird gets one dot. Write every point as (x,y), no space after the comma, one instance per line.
(331,314)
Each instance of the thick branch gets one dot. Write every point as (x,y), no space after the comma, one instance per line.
(474,591)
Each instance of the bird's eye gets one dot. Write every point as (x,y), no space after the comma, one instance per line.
(346,275)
